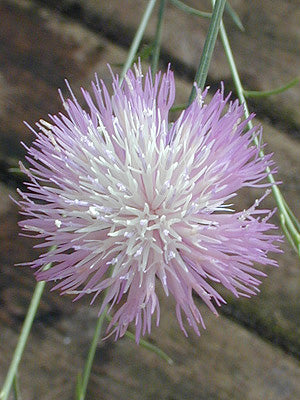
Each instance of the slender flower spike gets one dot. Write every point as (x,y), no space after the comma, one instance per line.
(132,202)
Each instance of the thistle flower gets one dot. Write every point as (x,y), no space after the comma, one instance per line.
(131,201)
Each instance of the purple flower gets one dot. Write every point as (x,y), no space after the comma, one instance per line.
(131,201)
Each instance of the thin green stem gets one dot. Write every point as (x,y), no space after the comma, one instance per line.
(23,338)
(209,46)
(91,355)
(157,40)
(289,227)
(137,38)
(82,383)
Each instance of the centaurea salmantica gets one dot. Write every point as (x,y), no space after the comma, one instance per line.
(129,200)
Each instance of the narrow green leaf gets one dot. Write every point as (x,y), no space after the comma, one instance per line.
(235,17)
(147,345)
(151,347)
(291,215)
(281,89)
(145,53)
(15,170)
(193,11)
(287,233)
(190,10)
(179,107)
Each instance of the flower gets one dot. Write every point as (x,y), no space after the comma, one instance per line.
(131,201)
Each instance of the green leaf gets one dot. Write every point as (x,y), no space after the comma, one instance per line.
(233,14)
(147,345)
(193,11)
(16,171)
(145,52)
(291,215)
(190,10)
(281,89)
(151,347)
(179,107)
(287,233)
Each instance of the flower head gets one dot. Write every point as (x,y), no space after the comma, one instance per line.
(131,201)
